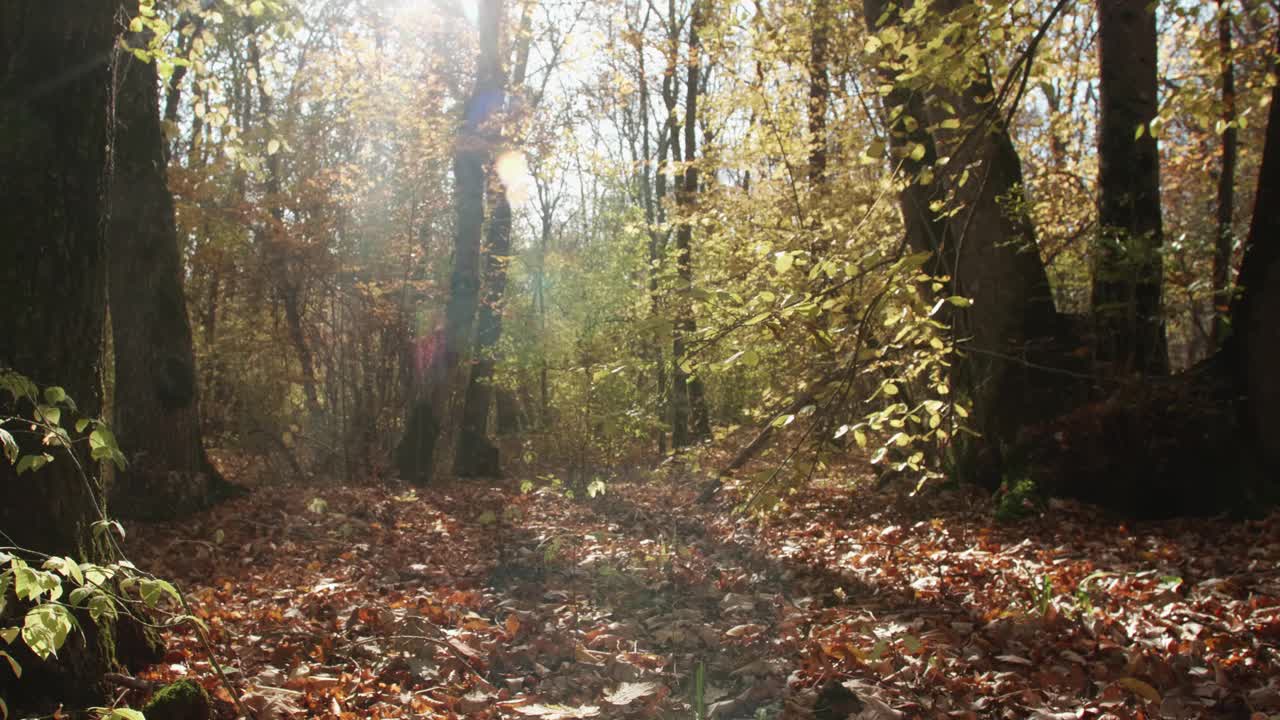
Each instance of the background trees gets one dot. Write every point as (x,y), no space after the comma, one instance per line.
(891,224)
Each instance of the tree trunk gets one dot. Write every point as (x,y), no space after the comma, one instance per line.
(1127,277)
(819,90)
(1224,239)
(1254,346)
(657,241)
(54,115)
(476,456)
(690,422)
(156,409)
(1014,334)
(440,357)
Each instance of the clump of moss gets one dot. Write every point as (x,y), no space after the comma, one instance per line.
(1019,499)
(182,700)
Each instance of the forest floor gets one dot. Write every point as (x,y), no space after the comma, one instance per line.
(478,600)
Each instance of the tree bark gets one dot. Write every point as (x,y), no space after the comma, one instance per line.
(1224,239)
(690,422)
(54,135)
(1014,333)
(476,455)
(1254,346)
(156,407)
(1127,277)
(819,89)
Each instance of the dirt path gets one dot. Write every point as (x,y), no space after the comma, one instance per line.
(467,601)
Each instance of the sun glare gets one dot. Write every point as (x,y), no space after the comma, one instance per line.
(513,170)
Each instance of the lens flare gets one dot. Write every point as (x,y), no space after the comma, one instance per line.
(513,170)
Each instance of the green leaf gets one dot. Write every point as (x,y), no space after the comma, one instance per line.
(783,261)
(126,714)
(81,424)
(101,605)
(54,394)
(102,438)
(45,629)
(153,589)
(33,462)
(32,584)
(9,634)
(917,151)
(101,526)
(68,567)
(48,414)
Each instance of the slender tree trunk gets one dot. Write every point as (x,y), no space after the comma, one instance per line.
(440,357)
(819,89)
(156,408)
(678,402)
(1127,277)
(655,246)
(1224,239)
(476,456)
(689,417)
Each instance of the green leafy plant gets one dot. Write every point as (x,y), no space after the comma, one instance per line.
(1019,500)
(54,588)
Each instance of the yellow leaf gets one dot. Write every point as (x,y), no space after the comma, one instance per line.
(1141,689)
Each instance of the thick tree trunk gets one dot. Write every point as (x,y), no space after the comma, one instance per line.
(1012,330)
(1224,239)
(1255,314)
(441,357)
(54,120)
(1127,276)
(156,409)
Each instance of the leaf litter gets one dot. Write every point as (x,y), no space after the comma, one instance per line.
(466,600)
